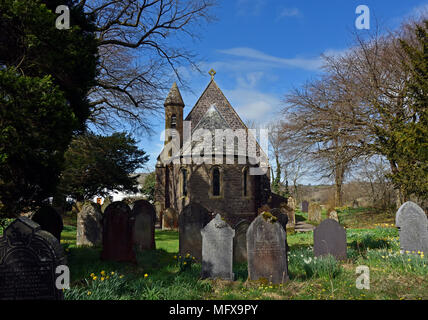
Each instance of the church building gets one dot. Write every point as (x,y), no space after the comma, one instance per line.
(229,187)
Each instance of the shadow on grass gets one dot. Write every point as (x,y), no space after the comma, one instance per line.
(166,235)
(368,242)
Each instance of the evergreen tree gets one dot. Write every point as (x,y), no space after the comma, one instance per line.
(45,76)
(96,165)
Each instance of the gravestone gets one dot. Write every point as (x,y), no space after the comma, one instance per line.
(28,260)
(291,202)
(267,255)
(118,233)
(412,225)
(333,215)
(217,250)
(170,219)
(314,213)
(289,211)
(105,204)
(144,231)
(89,225)
(192,220)
(49,220)
(240,242)
(330,238)
(305,206)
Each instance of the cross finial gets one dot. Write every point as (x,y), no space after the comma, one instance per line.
(212,73)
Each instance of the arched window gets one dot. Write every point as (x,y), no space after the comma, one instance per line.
(184,182)
(173,121)
(245,182)
(216,181)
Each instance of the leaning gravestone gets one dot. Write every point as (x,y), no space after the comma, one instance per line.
(192,220)
(118,233)
(49,220)
(412,225)
(145,219)
(240,242)
(314,213)
(330,238)
(305,206)
(267,255)
(169,219)
(89,225)
(217,250)
(29,257)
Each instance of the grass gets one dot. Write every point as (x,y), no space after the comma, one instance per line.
(157,274)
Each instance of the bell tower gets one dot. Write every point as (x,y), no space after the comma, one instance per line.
(174,106)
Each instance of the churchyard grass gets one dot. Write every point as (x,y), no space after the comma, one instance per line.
(157,274)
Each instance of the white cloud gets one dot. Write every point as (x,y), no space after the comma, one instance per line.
(288,12)
(250,7)
(253,105)
(313,64)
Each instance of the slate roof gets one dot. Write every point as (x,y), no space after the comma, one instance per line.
(174,97)
(212,111)
(212,95)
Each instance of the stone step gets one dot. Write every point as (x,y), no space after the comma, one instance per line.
(303,227)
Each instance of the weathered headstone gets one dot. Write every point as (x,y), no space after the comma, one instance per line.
(333,215)
(29,257)
(291,202)
(289,211)
(412,224)
(240,242)
(314,213)
(217,250)
(118,233)
(49,220)
(192,220)
(105,204)
(305,206)
(330,238)
(267,255)
(89,225)
(169,219)
(145,219)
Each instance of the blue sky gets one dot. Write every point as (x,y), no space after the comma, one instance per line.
(261,49)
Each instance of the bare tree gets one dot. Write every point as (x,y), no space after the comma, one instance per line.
(140,51)
(352,111)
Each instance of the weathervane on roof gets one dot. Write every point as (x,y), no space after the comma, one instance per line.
(212,73)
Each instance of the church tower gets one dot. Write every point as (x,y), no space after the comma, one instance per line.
(174,106)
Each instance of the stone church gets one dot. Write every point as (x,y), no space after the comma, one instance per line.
(227,188)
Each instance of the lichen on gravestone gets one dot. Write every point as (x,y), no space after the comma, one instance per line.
(269,217)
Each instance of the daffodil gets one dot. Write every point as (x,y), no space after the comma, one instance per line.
(103,273)
(89,293)
(146,275)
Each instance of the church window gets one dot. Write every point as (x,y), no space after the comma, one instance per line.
(173,121)
(184,182)
(216,181)
(245,182)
